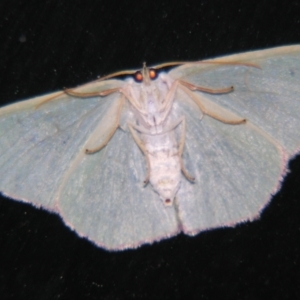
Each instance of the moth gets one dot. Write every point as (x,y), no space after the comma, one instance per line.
(128,162)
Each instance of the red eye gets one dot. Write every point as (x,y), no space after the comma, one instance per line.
(152,73)
(138,76)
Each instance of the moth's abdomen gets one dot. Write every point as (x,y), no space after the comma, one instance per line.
(165,171)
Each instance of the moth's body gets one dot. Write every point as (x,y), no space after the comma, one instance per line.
(155,130)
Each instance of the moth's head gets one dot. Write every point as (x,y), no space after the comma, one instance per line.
(145,75)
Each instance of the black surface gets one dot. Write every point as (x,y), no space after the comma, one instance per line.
(48,45)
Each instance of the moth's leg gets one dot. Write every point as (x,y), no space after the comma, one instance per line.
(112,130)
(180,151)
(132,98)
(193,87)
(212,109)
(104,93)
(168,101)
(142,147)
(70,92)
(140,129)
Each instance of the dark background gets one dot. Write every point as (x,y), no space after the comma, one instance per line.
(47,45)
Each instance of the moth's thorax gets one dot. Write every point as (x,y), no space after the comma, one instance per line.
(150,98)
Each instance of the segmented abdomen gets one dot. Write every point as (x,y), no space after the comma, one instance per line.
(165,171)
